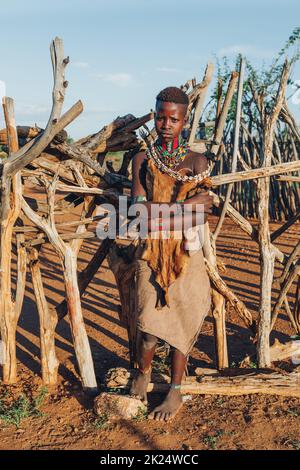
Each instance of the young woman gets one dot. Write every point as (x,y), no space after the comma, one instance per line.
(172,286)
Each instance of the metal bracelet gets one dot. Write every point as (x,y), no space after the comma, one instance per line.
(135,199)
(175,387)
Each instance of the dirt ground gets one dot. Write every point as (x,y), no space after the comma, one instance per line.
(62,418)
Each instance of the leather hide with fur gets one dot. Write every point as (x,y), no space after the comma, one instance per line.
(167,257)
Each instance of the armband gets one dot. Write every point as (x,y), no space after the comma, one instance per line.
(135,199)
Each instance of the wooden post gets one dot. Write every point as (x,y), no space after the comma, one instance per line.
(68,260)
(218,307)
(235,150)
(48,322)
(80,338)
(267,255)
(200,101)
(11,192)
(224,112)
(86,276)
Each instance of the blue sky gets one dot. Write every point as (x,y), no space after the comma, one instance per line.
(123,52)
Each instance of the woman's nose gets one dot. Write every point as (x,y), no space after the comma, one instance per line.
(166,123)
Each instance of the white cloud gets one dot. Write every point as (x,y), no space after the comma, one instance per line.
(247,50)
(26,109)
(168,70)
(118,79)
(80,65)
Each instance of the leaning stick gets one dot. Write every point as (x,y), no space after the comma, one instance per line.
(267,255)
(11,193)
(221,286)
(218,305)
(292,275)
(285,227)
(48,322)
(292,179)
(210,382)
(256,173)
(245,225)
(86,276)
(68,261)
(235,150)
(200,100)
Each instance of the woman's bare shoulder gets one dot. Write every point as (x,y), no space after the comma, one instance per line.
(139,157)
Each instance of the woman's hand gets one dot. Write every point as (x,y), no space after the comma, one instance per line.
(200,198)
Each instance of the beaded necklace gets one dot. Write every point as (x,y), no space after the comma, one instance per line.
(151,152)
(172,157)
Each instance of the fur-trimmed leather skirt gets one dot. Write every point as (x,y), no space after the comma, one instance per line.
(189,298)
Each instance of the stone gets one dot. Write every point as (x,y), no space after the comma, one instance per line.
(117,377)
(116,406)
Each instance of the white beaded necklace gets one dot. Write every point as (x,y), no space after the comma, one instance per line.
(151,153)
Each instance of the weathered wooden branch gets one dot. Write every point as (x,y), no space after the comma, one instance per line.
(218,305)
(267,255)
(245,225)
(62,169)
(296,312)
(278,352)
(65,237)
(235,151)
(224,112)
(19,160)
(79,153)
(220,285)
(200,100)
(68,261)
(74,223)
(11,193)
(86,276)
(294,256)
(264,384)
(285,227)
(55,123)
(285,286)
(234,383)
(294,179)
(255,173)
(48,322)
(97,143)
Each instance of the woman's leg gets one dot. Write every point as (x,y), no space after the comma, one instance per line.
(146,352)
(173,400)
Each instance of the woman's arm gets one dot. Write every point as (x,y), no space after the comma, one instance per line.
(137,188)
(175,223)
(189,205)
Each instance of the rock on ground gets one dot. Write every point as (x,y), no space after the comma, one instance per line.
(118,406)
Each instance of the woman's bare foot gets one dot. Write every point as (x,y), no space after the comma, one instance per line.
(169,408)
(139,386)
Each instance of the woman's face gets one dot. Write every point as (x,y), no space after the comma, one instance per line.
(169,120)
